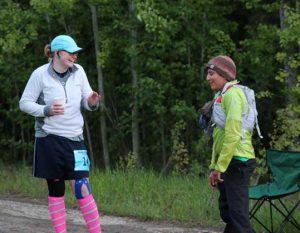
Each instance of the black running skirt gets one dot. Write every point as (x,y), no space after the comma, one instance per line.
(57,157)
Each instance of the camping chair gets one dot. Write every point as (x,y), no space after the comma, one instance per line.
(284,168)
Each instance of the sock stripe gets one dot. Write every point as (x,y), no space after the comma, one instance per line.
(87,204)
(59,224)
(56,203)
(90,211)
(92,220)
(58,218)
(95,227)
(57,211)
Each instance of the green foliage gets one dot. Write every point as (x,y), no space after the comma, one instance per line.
(127,163)
(223,43)
(151,95)
(257,66)
(179,157)
(290,35)
(53,7)
(203,150)
(286,126)
(287,129)
(154,22)
(175,39)
(261,170)
(17,29)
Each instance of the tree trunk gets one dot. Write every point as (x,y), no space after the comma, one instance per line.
(202,52)
(88,134)
(101,90)
(134,112)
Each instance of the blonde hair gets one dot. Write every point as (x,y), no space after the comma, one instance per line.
(47,51)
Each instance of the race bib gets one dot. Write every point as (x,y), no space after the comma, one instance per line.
(82,161)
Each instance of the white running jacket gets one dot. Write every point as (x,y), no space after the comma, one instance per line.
(43,86)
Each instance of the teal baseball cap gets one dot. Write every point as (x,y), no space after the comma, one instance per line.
(64,42)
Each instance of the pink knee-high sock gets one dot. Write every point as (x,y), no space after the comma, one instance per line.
(57,211)
(90,213)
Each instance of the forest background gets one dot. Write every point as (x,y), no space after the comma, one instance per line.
(147,59)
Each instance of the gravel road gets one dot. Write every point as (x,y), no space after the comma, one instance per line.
(19,216)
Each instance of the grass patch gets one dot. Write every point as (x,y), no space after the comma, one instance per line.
(141,194)
(263,215)
(146,195)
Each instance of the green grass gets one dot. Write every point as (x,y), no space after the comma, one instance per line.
(263,215)
(146,195)
(141,194)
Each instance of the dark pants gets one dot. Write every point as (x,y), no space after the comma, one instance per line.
(234,197)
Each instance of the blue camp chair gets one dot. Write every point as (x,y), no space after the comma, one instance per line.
(284,174)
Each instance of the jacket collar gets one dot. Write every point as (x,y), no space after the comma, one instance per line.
(51,71)
(229,85)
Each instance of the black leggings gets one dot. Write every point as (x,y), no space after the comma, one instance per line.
(56,188)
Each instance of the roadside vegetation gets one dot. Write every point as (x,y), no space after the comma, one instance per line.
(137,193)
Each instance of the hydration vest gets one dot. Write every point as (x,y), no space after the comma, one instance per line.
(249,115)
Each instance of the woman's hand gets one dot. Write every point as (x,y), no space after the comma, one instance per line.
(94,99)
(57,109)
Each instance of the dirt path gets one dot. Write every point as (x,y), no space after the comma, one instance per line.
(19,216)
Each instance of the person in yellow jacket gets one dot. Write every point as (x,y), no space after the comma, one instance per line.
(233,158)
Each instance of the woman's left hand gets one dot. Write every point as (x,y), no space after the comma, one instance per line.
(94,99)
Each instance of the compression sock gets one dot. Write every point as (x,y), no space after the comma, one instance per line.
(57,210)
(90,213)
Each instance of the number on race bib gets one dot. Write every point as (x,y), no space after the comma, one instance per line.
(82,161)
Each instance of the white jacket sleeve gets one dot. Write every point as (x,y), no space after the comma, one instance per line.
(28,102)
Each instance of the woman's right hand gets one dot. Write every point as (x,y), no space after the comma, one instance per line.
(57,109)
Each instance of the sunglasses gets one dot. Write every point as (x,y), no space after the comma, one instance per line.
(75,53)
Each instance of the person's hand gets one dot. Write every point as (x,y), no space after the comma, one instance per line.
(57,109)
(94,99)
(214,178)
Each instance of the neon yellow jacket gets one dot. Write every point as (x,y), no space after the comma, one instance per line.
(228,142)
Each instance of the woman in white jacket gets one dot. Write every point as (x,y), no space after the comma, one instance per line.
(55,94)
